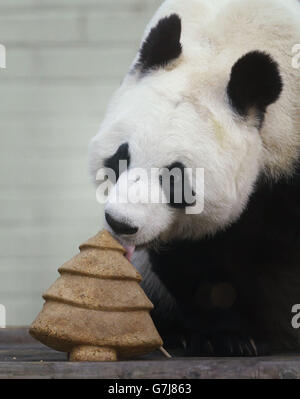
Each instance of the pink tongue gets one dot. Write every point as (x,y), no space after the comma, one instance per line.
(130,251)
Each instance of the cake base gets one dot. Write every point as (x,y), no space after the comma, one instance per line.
(85,353)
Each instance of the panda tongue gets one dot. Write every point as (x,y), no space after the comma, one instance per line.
(130,251)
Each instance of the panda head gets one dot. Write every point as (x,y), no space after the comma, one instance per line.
(176,110)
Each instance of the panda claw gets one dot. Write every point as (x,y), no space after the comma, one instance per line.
(225,345)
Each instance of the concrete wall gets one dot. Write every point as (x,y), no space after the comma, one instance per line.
(64,59)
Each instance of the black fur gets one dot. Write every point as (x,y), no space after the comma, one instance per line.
(177,188)
(122,154)
(162,44)
(258,260)
(255,81)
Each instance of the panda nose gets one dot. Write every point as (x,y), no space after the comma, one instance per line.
(120,227)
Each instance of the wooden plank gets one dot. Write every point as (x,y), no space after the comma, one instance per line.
(22,357)
(160,369)
(34,353)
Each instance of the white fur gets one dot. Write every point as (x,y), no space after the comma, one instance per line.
(181,113)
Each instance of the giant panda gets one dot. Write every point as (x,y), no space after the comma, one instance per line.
(212,87)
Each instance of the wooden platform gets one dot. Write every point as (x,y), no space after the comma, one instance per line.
(22,357)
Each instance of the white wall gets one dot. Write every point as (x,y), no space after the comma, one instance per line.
(64,59)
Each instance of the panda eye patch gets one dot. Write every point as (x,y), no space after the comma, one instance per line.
(122,154)
(175,183)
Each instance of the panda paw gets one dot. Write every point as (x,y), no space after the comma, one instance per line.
(225,345)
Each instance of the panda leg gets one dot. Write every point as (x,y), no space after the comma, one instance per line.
(222,333)
(165,315)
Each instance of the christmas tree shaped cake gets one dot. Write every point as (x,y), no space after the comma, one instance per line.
(96,310)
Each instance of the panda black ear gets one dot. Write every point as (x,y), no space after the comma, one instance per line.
(255,81)
(162,44)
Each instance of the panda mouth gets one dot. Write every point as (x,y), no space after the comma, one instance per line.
(130,249)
